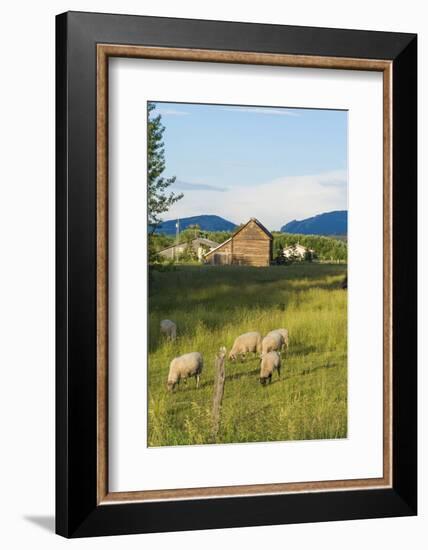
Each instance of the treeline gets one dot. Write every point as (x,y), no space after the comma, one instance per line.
(326,248)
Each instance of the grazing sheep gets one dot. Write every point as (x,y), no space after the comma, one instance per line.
(185,366)
(272,342)
(169,329)
(270,361)
(284,333)
(248,342)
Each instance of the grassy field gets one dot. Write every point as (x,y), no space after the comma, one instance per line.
(213,305)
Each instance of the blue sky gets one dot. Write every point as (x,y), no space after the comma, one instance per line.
(276,164)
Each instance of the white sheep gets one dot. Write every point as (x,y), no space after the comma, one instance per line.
(169,329)
(270,361)
(272,342)
(183,367)
(284,334)
(248,342)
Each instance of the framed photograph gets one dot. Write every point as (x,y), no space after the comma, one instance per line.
(236,274)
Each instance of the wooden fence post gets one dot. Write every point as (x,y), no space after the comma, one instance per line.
(218,390)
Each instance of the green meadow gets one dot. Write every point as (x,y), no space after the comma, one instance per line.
(211,307)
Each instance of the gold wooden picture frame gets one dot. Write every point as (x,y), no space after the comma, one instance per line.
(106,51)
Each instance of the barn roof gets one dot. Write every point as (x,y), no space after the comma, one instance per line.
(219,246)
(256,221)
(263,228)
(207,242)
(200,240)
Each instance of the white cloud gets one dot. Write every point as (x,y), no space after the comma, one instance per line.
(189,186)
(169,112)
(262,111)
(274,202)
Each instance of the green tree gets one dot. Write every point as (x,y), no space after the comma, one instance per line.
(187,235)
(196,230)
(159,199)
(278,253)
(307,256)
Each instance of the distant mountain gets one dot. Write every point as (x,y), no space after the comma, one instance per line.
(205,222)
(329,223)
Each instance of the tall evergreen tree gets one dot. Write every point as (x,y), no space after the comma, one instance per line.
(159,200)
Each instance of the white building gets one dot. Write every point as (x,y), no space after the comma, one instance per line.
(297,250)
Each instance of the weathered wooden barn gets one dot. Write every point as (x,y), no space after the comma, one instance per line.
(250,245)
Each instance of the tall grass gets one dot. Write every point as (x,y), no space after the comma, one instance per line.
(213,305)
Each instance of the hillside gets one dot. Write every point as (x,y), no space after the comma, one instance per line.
(205,222)
(328,223)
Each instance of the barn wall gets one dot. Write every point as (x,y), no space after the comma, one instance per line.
(251,246)
(222,256)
